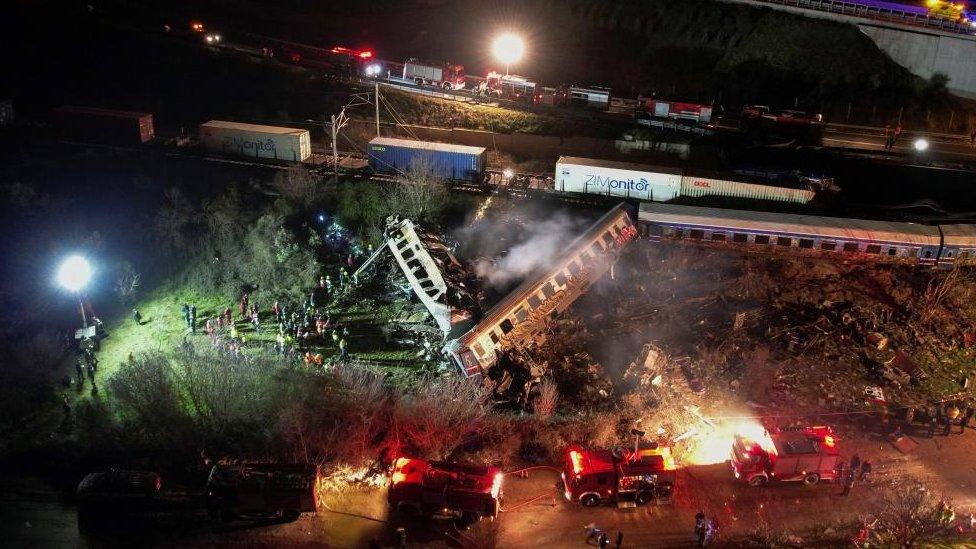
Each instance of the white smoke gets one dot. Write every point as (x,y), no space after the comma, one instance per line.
(542,243)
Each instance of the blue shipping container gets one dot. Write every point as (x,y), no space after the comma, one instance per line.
(454,162)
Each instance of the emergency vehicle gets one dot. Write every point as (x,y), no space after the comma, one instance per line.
(804,454)
(262,490)
(419,487)
(434,73)
(510,86)
(595,476)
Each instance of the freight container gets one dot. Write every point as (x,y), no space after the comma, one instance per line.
(256,141)
(107,126)
(610,178)
(706,186)
(6,113)
(454,162)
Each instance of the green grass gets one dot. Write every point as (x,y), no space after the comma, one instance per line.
(162,328)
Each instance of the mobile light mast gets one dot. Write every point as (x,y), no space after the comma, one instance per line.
(508,48)
(73,275)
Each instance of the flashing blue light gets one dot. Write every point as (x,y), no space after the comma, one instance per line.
(321,218)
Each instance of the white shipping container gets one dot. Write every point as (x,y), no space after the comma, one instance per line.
(256,141)
(412,71)
(706,186)
(610,178)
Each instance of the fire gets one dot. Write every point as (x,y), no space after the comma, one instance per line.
(714,444)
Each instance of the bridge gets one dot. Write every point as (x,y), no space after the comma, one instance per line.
(923,44)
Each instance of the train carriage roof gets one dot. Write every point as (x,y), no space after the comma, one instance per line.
(832,228)
(504,307)
(959,235)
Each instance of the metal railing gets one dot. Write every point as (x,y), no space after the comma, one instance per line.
(882,14)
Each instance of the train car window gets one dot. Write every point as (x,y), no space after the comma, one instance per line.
(894,251)
(718,237)
(607,238)
(806,243)
(873,249)
(521,314)
(697,234)
(828,246)
(850,246)
(478,349)
(596,248)
(548,290)
(928,254)
(493,336)
(560,279)
(534,301)
(740,237)
(784,241)
(574,268)
(762,239)
(506,326)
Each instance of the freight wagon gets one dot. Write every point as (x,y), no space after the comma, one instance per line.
(452,162)
(106,126)
(659,184)
(256,141)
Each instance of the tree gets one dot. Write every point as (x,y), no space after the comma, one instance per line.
(908,514)
(545,403)
(298,186)
(173,220)
(419,193)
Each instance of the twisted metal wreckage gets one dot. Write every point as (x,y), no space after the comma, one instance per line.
(518,322)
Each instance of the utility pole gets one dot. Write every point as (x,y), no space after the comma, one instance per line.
(376,96)
(339,122)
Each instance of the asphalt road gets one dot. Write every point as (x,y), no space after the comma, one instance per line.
(536,515)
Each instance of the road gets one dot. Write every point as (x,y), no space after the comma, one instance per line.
(942,147)
(34,516)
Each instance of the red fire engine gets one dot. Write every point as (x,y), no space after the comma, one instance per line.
(509,86)
(434,73)
(807,454)
(419,487)
(595,476)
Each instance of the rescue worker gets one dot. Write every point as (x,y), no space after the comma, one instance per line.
(700,528)
(328,283)
(185,312)
(343,353)
(280,341)
(966,418)
(335,337)
(946,514)
(933,422)
(91,373)
(849,482)
(233,332)
(593,533)
(276,310)
(311,300)
(604,541)
(65,406)
(620,539)
(136,316)
(255,321)
(865,471)
(80,374)
(228,319)
(319,359)
(711,530)
(193,319)
(952,413)
(887,137)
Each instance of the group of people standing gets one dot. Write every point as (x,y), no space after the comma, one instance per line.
(891,136)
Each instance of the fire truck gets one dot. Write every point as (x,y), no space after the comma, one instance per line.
(419,487)
(595,476)
(434,73)
(509,86)
(676,110)
(805,454)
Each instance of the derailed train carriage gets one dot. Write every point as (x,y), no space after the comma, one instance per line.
(853,238)
(519,319)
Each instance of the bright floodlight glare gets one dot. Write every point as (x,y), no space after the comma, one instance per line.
(373,69)
(74,273)
(507,173)
(508,48)
(921,145)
